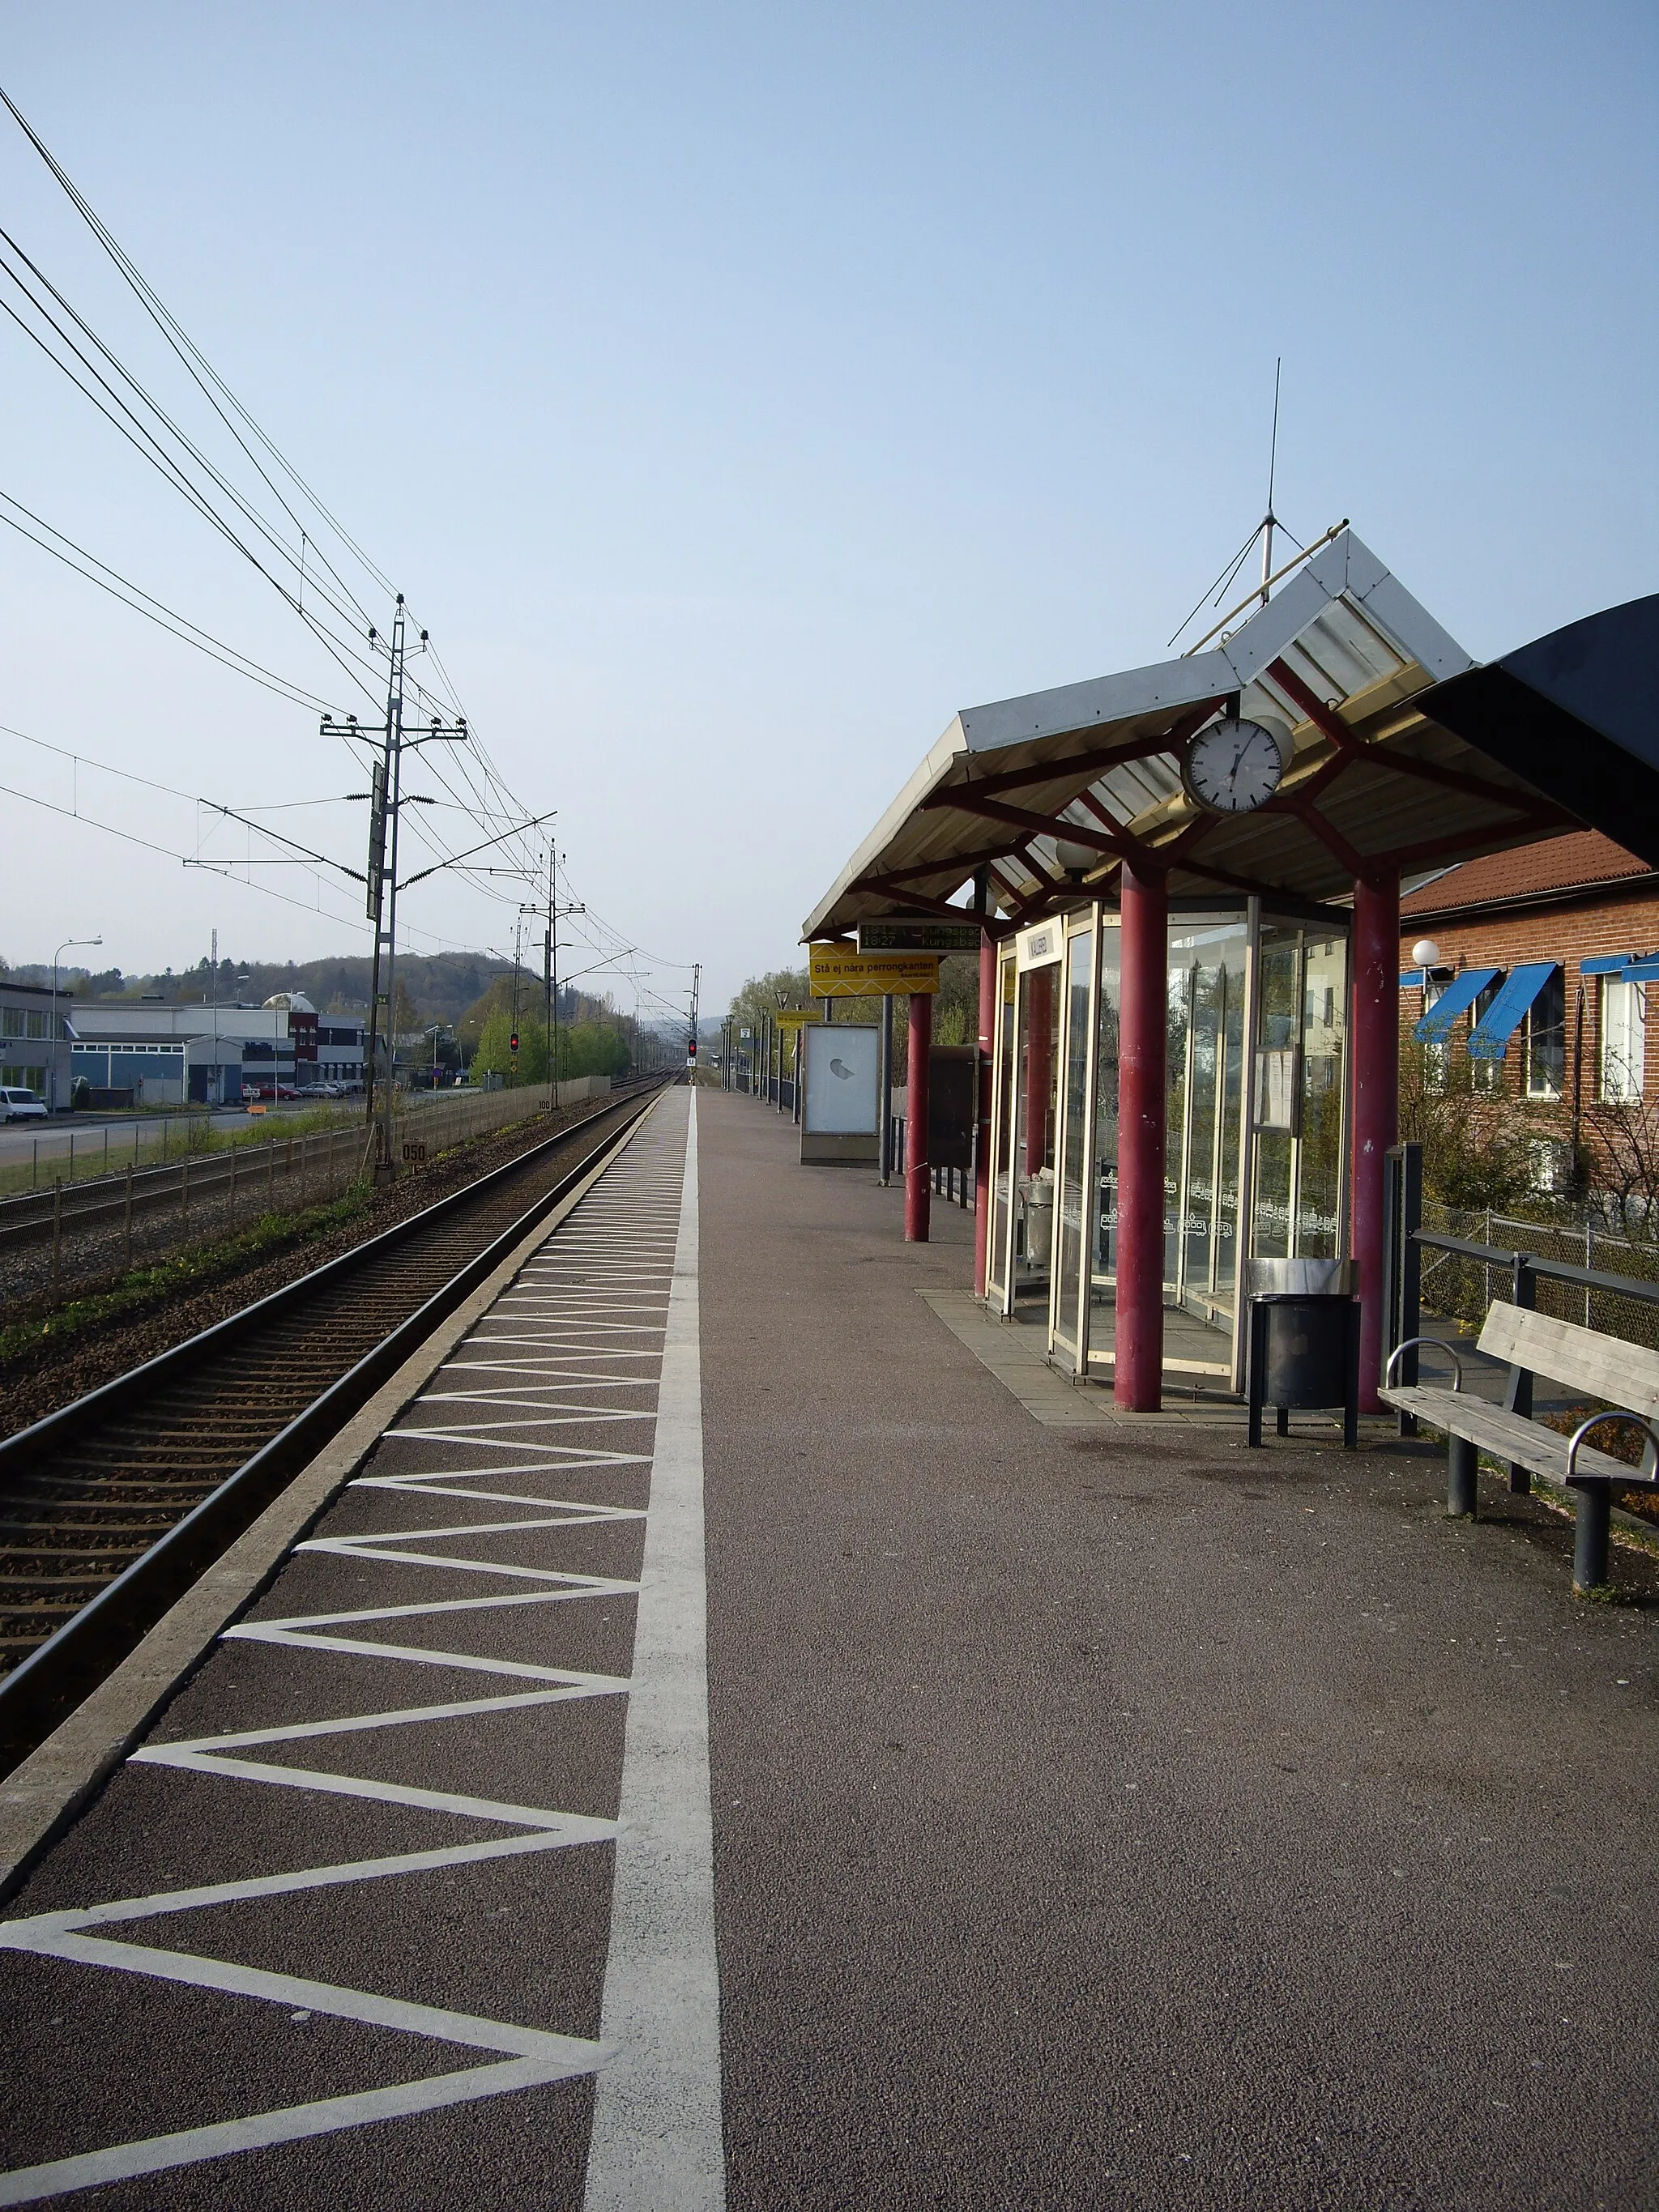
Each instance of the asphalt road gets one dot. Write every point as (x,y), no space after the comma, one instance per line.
(1099,1818)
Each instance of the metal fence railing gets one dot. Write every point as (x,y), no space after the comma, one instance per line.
(93,1223)
(1585,1275)
(429,1122)
(87,1154)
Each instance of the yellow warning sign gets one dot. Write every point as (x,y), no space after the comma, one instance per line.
(798,1017)
(838,972)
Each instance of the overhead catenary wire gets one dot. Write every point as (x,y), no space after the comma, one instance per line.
(218,865)
(154,610)
(143,437)
(306,565)
(201,369)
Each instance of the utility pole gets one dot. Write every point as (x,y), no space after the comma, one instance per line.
(691,1055)
(384,804)
(518,945)
(555,914)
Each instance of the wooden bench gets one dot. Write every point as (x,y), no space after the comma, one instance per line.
(1581,1359)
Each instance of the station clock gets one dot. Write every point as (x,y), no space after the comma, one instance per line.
(1236,764)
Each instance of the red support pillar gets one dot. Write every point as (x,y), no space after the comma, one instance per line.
(918,1188)
(1142,1107)
(988,1035)
(1375,1105)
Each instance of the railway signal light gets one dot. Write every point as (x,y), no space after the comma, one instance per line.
(512,1042)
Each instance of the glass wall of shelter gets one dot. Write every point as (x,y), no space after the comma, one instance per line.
(1256,1154)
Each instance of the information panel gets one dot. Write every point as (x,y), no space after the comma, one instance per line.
(903,933)
(837,972)
(841,1087)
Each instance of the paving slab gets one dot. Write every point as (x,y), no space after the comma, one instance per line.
(1106,1814)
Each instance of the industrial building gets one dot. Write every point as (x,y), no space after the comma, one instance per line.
(166,1055)
(31,1057)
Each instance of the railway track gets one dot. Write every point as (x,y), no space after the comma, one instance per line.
(113,1506)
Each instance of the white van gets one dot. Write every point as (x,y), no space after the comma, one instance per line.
(22,1106)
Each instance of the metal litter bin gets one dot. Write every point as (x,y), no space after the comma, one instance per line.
(1304,1342)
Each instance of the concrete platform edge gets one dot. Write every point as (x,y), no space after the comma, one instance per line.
(40,1798)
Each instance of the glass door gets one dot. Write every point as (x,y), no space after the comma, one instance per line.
(998,1273)
(1068,1304)
(1103,1170)
(1300,1179)
(1035,1101)
(1207,1030)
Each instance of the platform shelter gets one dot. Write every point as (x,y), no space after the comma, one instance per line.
(1188,878)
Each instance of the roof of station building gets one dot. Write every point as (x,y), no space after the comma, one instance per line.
(1584,861)
(1342,653)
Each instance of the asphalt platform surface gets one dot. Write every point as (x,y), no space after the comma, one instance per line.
(1100,1816)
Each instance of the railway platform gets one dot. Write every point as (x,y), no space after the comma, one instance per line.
(736,1733)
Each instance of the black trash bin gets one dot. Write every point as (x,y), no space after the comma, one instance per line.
(1304,1342)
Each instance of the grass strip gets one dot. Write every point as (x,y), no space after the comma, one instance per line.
(197,1268)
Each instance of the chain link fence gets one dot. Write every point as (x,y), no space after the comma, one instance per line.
(1462,1289)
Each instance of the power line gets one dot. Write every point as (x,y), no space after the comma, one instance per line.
(201,370)
(480,789)
(154,610)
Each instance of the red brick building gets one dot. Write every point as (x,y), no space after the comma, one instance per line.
(1539,951)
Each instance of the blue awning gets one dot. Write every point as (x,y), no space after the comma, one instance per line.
(1504,1015)
(1459,995)
(1609,964)
(1644,970)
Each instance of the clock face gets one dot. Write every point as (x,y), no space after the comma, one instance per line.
(1234,766)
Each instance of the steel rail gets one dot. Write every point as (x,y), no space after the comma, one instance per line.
(61,1671)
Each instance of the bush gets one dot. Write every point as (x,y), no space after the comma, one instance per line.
(1477,1146)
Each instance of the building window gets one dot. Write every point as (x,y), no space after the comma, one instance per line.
(1436,1056)
(1485,1074)
(1623,1036)
(36,1025)
(11,1021)
(1546,1039)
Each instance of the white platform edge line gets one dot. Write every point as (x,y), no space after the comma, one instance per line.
(656,2136)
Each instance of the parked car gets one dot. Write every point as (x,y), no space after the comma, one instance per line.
(23,1106)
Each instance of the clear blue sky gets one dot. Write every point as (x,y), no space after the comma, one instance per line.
(737,391)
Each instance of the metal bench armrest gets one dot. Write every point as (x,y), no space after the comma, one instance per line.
(1434,1344)
(1598,1421)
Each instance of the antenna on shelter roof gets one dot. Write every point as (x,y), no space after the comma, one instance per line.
(1270,517)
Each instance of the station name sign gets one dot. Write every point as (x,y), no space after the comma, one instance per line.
(900,933)
(836,971)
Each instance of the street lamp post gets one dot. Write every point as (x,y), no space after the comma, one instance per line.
(51,1064)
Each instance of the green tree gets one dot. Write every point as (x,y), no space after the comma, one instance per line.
(762,994)
(1477,1144)
(495,1055)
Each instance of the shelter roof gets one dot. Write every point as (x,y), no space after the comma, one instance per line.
(1342,653)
